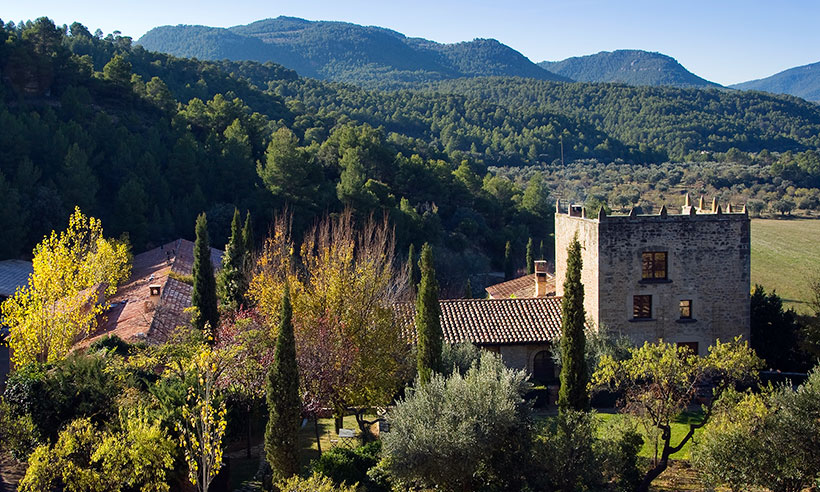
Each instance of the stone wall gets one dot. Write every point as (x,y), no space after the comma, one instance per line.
(517,356)
(565,228)
(708,262)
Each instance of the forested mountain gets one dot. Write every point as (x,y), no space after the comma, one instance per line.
(633,67)
(675,121)
(344,52)
(798,81)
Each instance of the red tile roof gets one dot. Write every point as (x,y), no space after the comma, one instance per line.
(132,315)
(519,287)
(493,321)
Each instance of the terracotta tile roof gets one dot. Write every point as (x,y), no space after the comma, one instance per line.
(13,274)
(132,315)
(519,287)
(493,321)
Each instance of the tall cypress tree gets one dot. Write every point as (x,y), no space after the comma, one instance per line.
(542,253)
(284,405)
(428,318)
(509,271)
(530,258)
(230,281)
(573,393)
(414,274)
(204,295)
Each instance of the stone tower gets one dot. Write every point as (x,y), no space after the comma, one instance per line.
(683,278)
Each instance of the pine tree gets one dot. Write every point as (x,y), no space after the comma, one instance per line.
(428,318)
(204,295)
(230,281)
(573,393)
(530,258)
(509,271)
(414,274)
(284,405)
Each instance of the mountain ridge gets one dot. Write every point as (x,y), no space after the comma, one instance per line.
(802,81)
(343,51)
(632,67)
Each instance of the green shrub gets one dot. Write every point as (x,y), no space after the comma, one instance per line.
(458,357)
(350,466)
(111,343)
(314,483)
(465,432)
(52,395)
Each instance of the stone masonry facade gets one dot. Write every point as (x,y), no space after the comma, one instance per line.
(682,278)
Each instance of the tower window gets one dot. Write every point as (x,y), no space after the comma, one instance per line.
(642,307)
(686,309)
(653,265)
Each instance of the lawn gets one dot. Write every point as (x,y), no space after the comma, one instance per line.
(244,469)
(679,429)
(785,255)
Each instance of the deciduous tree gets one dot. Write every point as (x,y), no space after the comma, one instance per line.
(660,380)
(74,272)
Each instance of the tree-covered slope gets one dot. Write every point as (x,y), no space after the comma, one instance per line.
(677,121)
(344,52)
(801,81)
(633,67)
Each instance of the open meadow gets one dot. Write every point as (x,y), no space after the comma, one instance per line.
(785,255)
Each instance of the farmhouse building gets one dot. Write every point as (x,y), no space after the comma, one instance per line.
(683,278)
(151,304)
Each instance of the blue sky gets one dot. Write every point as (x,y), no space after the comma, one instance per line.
(726,41)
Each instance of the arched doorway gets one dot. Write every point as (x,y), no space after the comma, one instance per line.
(543,367)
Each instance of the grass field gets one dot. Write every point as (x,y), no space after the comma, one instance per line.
(785,254)
(679,429)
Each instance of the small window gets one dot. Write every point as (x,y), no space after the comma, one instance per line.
(692,347)
(642,307)
(653,265)
(686,309)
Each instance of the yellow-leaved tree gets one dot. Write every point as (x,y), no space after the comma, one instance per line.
(348,281)
(75,271)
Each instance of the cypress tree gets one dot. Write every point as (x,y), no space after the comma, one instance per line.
(284,405)
(573,393)
(509,271)
(414,274)
(231,278)
(468,290)
(530,258)
(541,252)
(247,236)
(428,319)
(204,295)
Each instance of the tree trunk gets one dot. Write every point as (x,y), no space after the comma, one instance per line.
(316,430)
(250,415)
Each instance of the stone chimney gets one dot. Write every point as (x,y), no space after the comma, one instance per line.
(540,278)
(152,302)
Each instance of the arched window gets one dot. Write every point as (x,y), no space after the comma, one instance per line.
(543,367)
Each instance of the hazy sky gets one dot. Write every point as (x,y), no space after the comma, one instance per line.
(726,41)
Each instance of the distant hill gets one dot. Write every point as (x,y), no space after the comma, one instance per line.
(799,81)
(345,52)
(633,67)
